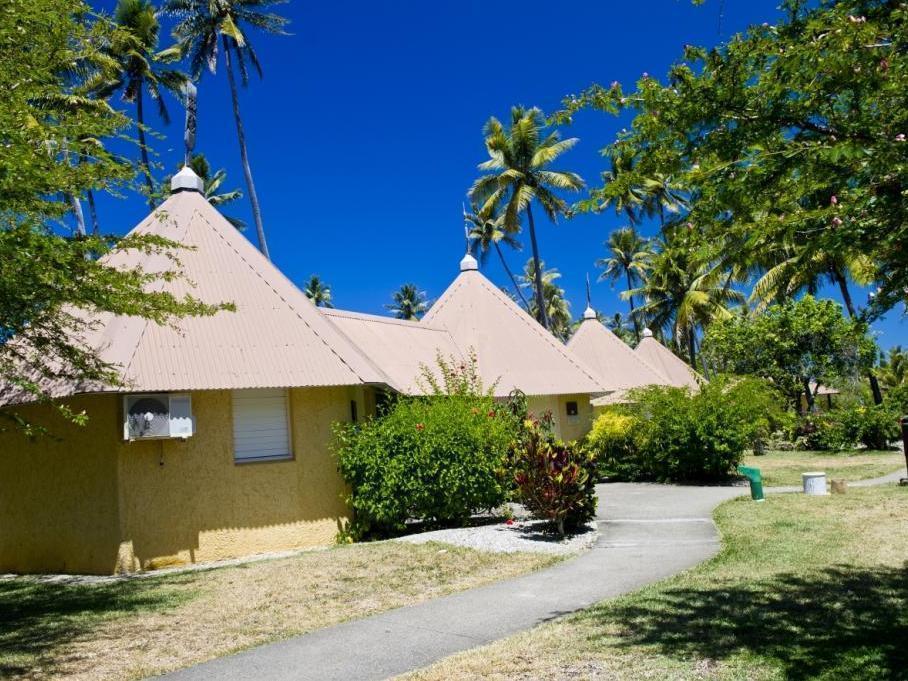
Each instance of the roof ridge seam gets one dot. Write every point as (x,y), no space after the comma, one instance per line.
(279,296)
(544,333)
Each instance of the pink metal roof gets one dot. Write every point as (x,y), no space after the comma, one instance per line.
(513,350)
(668,364)
(275,338)
(613,361)
(399,348)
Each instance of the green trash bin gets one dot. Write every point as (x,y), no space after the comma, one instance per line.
(756,481)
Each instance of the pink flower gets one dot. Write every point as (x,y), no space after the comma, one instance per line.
(834,200)
(614,84)
(509,521)
(837,221)
(900,137)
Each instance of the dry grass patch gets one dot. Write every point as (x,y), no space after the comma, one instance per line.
(804,588)
(136,628)
(785,468)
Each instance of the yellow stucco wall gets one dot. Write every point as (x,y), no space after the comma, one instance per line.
(95,504)
(567,428)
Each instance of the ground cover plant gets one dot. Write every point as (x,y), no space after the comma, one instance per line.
(802,588)
(785,468)
(133,629)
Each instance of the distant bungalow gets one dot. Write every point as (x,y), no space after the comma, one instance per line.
(217,443)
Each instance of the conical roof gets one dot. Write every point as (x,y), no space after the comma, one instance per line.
(667,363)
(276,337)
(512,349)
(613,360)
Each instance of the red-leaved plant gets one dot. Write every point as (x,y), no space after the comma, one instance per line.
(555,480)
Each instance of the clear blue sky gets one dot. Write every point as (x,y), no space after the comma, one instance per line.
(365,133)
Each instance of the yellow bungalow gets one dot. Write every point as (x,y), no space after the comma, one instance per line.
(216,444)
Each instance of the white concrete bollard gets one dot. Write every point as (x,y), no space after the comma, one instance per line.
(814,483)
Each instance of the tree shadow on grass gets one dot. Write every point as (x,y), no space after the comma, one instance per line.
(839,623)
(37,617)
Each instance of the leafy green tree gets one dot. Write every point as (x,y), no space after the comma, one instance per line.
(318,292)
(409,302)
(488,232)
(207,30)
(628,258)
(53,286)
(793,133)
(519,159)
(133,47)
(557,308)
(795,344)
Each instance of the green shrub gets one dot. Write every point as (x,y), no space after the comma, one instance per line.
(612,438)
(437,459)
(556,481)
(676,435)
(874,426)
(897,399)
(823,431)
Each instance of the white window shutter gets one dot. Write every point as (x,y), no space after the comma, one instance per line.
(261,428)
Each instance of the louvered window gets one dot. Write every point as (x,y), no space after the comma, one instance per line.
(261,425)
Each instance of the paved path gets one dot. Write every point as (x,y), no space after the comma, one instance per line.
(648,532)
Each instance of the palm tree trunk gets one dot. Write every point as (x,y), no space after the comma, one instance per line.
(143,147)
(692,347)
(849,305)
(809,395)
(76,207)
(93,212)
(244,155)
(504,264)
(540,300)
(630,299)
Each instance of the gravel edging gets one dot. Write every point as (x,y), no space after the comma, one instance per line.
(527,536)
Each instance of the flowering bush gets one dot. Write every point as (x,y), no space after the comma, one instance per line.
(554,480)
(874,426)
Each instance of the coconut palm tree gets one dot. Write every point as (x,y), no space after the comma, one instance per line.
(557,308)
(894,367)
(683,293)
(629,255)
(207,29)
(662,194)
(318,292)
(409,302)
(519,160)
(488,232)
(133,47)
(621,326)
(621,190)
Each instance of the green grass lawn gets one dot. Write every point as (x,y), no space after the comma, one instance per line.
(803,588)
(140,627)
(785,468)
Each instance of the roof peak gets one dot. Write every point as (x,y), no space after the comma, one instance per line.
(186,180)
(647,333)
(468,263)
(589,313)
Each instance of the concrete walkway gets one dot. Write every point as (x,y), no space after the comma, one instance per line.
(648,532)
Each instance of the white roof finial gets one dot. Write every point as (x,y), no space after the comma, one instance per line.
(647,333)
(589,312)
(186,180)
(468,262)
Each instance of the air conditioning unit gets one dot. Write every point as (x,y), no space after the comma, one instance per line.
(157,416)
